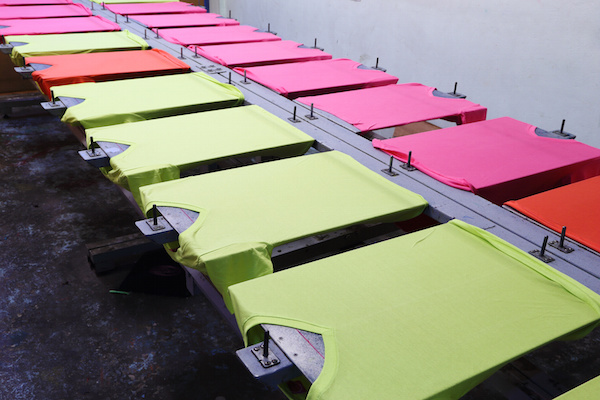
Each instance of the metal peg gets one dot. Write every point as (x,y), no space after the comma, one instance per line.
(154,215)
(564,230)
(230,77)
(455,87)
(269,29)
(182,57)
(316,47)
(560,244)
(266,345)
(104,8)
(408,166)
(311,116)
(52,95)
(562,126)
(229,14)
(195,51)
(145,33)
(377,65)
(543,249)
(127,18)
(157,35)
(541,253)
(245,81)
(92,146)
(389,170)
(116,20)
(293,119)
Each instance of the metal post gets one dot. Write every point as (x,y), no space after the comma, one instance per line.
(562,235)
(266,345)
(543,249)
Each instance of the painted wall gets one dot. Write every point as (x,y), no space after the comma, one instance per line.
(533,60)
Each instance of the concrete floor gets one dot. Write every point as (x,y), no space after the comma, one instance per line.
(63,335)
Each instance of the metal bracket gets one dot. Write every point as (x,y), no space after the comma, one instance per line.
(564,249)
(407,167)
(212,69)
(6,48)
(538,254)
(457,95)
(96,158)
(161,232)
(273,370)
(25,72)
(56,108)
(267,362)
(389,172)
(563,134)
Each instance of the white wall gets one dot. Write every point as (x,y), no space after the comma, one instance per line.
(533,60)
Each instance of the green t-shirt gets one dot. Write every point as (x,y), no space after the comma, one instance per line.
(428,315)
(72,43)
(195,139)
(129,100)
(245,212)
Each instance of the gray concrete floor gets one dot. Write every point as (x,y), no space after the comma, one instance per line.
(62,334)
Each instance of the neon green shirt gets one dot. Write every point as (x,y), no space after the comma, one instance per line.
(588,391)
(195,139)
(129,100)
(245,212)
(428,315)
(72,43)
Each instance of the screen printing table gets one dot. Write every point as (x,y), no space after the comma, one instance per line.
(333,133)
